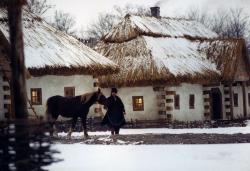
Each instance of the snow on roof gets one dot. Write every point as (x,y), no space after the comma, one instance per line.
(178,55)
(133,26)
(149,60)
(168,51)
(48,50)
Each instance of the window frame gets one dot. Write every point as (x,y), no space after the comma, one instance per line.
(69,88)
(177,101)
(39,96)
(191,101)
(136,108)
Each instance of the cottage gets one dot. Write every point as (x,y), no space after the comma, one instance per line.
(176,69)
(57,64)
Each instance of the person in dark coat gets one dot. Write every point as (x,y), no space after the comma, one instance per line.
(114,117)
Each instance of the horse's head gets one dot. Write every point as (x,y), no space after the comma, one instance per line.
(101,99)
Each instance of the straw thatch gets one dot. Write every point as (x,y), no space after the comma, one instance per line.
(133,26)
(160,56)
(49,51)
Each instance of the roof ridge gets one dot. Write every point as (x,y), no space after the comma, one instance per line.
(161,17)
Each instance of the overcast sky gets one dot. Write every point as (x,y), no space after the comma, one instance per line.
(86,11)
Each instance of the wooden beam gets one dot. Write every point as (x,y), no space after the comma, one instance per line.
(18,80)
(244,98)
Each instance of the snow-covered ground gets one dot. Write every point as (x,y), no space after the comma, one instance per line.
(79,157)
(212,157)
(227,130)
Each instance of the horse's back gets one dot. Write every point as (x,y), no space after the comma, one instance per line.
(65,106)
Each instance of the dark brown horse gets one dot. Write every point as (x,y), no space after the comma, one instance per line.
(72,107)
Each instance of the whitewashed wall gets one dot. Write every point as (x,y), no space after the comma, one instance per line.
(238,111)
(150,102)
(150,106)
(184,113)
(1,98)
(54,85)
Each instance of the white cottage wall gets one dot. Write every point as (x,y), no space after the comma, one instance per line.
(185,113)
(54,85)
(150,111)
(1,97)
(238,110)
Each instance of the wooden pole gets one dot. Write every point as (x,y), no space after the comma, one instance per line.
(18,81)
(18,84)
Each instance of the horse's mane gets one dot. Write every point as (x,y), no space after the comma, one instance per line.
(86,97)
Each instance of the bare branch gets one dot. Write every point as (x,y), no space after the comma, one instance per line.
(226,23)
(38,7)
(106,21)
(64,22)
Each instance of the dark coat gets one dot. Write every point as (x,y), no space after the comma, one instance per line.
(115,112)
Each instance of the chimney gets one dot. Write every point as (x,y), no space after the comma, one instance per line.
(155,11)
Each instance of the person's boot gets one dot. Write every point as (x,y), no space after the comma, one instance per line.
(117,131)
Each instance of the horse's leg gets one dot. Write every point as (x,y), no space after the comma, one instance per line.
(73,125)
(84,118)
(52,115)
(52,127)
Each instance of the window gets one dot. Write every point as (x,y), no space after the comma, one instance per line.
(191,101)
(69,91)
(235,100)
(248,99)
(138,103)
(36,96)
(177,101)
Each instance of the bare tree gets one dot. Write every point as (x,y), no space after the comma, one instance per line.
(64,22)
(102,26)
(130,9)
(38,7)
(238,23)
(197,15)
(226,23)
(106,21)
(219,23)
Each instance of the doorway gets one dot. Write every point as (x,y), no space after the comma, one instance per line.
(216,104)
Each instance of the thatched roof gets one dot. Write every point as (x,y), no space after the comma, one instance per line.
(148,59)
(49,51)
(133,26)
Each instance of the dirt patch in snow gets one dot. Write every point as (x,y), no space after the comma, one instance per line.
(157,139)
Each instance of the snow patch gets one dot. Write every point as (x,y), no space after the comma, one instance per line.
(226,130)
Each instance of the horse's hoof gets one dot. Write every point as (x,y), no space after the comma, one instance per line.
(69,135)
